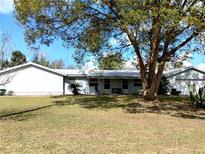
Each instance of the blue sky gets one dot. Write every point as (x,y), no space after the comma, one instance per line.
(9,24)
(56,50)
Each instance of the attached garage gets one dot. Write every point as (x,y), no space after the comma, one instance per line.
(32,79)
(186,80)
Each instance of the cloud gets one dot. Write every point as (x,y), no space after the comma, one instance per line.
(201,66)
(129,65)
(6,6)
(187,63)
(90,66)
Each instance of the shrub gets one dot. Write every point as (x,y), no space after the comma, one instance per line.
(175,92)
(75,87)
(10,93)
(198,99)
(2,92)
(163,86)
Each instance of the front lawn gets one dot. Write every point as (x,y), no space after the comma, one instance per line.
(104,124)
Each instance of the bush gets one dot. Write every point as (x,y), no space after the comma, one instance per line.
(198,99)
(75,87)
(2,92)
(163,86)
(175,92)
(10,93)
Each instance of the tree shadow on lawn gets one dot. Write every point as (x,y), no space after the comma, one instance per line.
(21,115)
(173,106)
(103,102)
(94,102)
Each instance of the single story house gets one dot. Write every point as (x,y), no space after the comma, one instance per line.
(34,79)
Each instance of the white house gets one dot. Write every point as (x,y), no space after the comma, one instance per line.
(34,79)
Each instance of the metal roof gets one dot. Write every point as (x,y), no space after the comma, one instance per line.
(71,72)
(30,64)
(114,74)
(174,72)
(99,73)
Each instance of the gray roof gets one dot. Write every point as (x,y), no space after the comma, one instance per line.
(11,69)
(174,72)
(71,72)
(114,74)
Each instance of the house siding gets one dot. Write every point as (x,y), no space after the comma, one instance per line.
(33,81)
(184,81)
(115,83)
(82,81)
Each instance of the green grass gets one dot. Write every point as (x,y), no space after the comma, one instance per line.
(89,124)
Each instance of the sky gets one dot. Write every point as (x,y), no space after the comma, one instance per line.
(8,23)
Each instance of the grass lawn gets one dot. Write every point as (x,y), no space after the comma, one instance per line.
(105,124)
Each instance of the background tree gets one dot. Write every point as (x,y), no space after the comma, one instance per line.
(5,48)
(111,62)
(154,30)
(71,67)
(17,58)
(40,58)
(5,64)
(57,64)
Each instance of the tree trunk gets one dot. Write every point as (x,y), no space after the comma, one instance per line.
(150,92)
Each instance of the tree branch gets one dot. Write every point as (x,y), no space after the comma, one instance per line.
(173,51)
(111,8)
(184,4)
(192,4)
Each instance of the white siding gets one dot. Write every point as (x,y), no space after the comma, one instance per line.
(85,85)
(117,83)
(67,90)
(134,89)
(184,81)
(33,81)
(82,81)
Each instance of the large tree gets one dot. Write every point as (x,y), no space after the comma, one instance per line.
(155,30)
(17,58)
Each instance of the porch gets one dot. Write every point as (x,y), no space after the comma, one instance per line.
(114,86)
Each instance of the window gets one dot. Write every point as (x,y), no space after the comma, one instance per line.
(93,82)
(137,83)
(107,84)
(125,84)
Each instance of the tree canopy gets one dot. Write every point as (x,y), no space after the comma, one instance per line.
(57,64)
(40,58)
(17,58)
(154,30)
(111,62)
